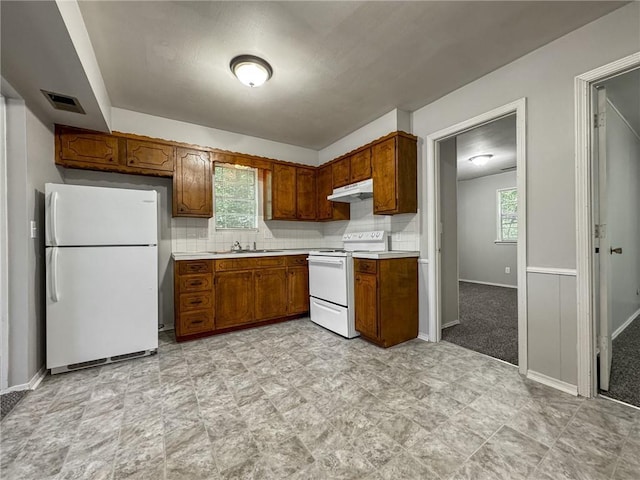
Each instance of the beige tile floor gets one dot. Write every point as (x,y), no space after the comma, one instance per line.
(295,401)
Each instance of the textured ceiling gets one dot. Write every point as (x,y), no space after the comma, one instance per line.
(337,65)
(497,138)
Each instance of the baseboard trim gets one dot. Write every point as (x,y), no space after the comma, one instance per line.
(553,383)
(628,322)
(450,324)
(424,337)
(32,384)
(617,401)
(488,283)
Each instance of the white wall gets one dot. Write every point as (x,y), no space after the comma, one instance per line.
(545,78)
(142,124)
(30,151)
(449,238)
(389,122)
(481,259)
(623,167)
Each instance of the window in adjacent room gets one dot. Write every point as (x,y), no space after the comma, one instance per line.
(508,215)
(235,197)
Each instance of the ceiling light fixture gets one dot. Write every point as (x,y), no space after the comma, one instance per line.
(480,160)
(250,70)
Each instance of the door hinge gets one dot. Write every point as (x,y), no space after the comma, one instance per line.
(598,120)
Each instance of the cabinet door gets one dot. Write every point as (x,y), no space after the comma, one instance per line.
(234,298)
(306,193)
(383,160)
(366,297)
(342,172)
(298,290)
(150,156)
(271,293)
(192,194)
(324,187)
(88,149)
(361,166)
(284,192)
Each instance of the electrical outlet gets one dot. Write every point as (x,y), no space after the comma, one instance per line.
(507,269)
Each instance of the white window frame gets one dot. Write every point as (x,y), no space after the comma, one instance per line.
(257,198)
(499,238)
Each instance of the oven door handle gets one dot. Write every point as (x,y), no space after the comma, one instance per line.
(322,260)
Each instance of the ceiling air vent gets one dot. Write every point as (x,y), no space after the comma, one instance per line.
(63,102)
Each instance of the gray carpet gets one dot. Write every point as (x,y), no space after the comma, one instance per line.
(488,321)
(625,366)
(10,400)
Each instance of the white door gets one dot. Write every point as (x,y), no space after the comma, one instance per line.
(78,215)
(605,248)
(101,302)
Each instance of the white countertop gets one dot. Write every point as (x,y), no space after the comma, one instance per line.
(221,255)
(386,255)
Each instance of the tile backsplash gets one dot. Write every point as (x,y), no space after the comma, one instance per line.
(200,234)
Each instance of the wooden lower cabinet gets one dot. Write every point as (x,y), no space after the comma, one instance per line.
(298,290)
(217,296)
(270,293)
(386,300)
(194,298)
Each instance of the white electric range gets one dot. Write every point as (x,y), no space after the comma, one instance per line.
(331,281)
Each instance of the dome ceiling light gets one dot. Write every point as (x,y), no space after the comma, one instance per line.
(480,160)
(250,70)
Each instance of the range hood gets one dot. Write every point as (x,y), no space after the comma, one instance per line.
(353,193)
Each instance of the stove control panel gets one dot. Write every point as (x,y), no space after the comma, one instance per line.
(376,241)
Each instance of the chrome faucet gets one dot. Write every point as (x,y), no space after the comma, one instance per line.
(236,247)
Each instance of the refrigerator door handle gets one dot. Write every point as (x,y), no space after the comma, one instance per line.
(54,218)
(55,296)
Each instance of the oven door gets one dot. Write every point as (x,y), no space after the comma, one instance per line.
(328,278)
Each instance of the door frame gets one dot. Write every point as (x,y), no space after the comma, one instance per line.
(4,252)
(433,217)
(585,280)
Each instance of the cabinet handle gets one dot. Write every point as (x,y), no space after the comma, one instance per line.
(195,302)
(195,284)
(197,321)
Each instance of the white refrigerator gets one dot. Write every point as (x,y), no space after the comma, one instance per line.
(102,275)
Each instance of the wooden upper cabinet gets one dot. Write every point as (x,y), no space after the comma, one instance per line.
(342,172)
(328,210)
(284,194)
(86,150)
(306,193)
(298,290)
(234,298)
(366,300)
(394,166)
(150,156)
(270,293)
(360,166)
(192,190)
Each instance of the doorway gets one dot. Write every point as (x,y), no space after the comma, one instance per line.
(616,258)
(478,239)
(444,304)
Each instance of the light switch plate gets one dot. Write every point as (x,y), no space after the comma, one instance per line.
(33,229)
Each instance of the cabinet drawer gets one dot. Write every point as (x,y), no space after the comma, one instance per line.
(234,264)
(366,266)
(269,261)
(196,322)
(297,260)
(195,301)
(195,283)
(185,267)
